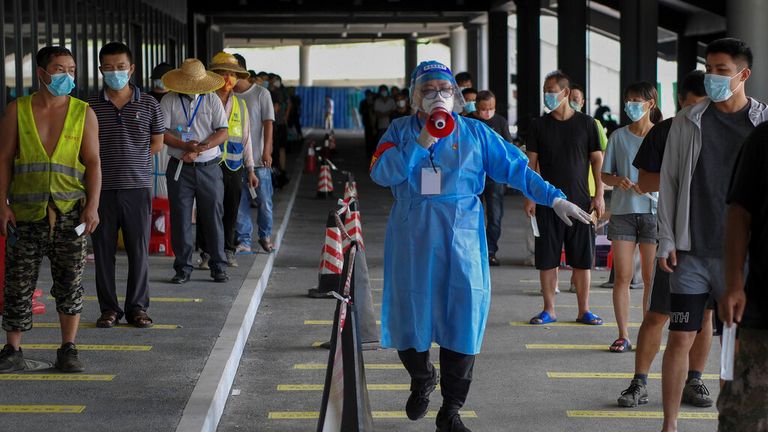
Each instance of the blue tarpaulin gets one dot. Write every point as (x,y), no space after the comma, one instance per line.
(346,100)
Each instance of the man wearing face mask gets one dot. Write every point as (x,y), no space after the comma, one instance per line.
(382,108)
(158,89)
(130,132)
(470,96)
(702,147)
(402,109)
(562,145)
(436,276)
(493,192)
(50,180)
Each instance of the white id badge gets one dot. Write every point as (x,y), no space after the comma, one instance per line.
(187,136)
(430,181)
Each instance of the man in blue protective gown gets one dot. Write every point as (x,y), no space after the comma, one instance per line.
(436,277)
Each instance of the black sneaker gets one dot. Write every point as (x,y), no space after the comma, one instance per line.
(180,278)
(493,261)
(219,276)
(67,359)
(418,401)
(636,394)
(11,360)
(696,393)
(450,422)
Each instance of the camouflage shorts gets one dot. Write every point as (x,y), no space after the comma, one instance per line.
(743,402)
(64,249)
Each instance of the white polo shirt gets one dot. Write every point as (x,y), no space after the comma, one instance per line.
(209,118)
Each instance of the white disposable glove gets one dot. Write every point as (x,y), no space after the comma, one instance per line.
(425,139)
(566,210)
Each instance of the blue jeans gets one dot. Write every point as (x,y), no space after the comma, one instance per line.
(494,209)
(244,224)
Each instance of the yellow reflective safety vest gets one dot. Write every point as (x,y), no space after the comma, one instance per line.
(232,150)
(37,178)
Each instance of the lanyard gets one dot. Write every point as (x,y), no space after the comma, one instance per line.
(194,113)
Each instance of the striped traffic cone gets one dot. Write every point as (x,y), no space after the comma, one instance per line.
(331,260)
(325,181)
(350,187)
(353,226)
(345,405)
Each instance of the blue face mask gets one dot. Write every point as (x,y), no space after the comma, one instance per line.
(61,84)
(469,107)
(574,105)
(551,101)
(158,84)
(718,87)
(116,80)
(265,84)
(634,110)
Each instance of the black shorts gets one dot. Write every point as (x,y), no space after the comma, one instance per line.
(660,295)
(579,241)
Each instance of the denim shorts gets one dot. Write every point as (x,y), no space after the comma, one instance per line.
(634,227)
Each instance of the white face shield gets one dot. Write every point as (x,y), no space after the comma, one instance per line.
(433,86)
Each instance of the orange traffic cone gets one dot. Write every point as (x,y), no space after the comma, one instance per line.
(325,181)
(345,405)
(331,260)
(310,162)
(353,226)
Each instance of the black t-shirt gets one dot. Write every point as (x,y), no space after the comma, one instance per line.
(749,189)
(651,151)
(499,125)
(563,148)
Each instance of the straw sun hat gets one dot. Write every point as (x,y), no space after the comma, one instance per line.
(192,78)
(225,61)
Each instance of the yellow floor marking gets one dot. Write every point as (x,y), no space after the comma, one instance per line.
(319,387)
(569,324)
(641,415)
(324,322)
(55,377)
(593,306)
(591,291)
(599,347)
(122,326)
(91,347)
(154,299)
(41,409)
(317,344)
(368,366)
(613,375)
(314,415)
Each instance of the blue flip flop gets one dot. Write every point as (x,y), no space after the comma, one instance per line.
(542,318)
(590,319)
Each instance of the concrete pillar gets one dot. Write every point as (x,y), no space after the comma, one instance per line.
(528,63)
(411,58)
(305,80)
(639,36)
(746,21)
(498,59)
(687,47)
(572,39)
(458,49)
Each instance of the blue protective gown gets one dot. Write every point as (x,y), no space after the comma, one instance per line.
(436,279)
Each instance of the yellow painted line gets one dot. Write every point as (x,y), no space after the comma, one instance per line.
(319,387)
(594,307)
(569,324)
(591,291)
(317,344)
(93,325)
(154,299)
(627,414)
(588,347)
(55,377)
(314,415)
(368,366)
(613,375)
(41,409)
(324,322)
(91,347)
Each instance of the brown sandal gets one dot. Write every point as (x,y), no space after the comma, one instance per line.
(140,319)
(107,319)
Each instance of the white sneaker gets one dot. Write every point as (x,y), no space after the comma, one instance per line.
(557,290)
(242,248)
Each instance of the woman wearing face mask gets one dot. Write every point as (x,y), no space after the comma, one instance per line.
(382,108)
(633,213)
(436,275)
(402,109)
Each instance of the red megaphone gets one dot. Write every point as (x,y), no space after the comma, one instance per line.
(440,123)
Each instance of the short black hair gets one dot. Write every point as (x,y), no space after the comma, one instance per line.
(469,90)
(485,95)
(579,88)
(692,83)
(240,60)
(114,48)
(383,87)
(463,76)
(252,73)
(262,74)
(46,54)
(563,80)
(736,48)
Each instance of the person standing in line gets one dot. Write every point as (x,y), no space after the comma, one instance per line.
(328,112)
(262,117)
(160,158)
(402,110)
(50,180)
(237,167)
(648,162)
(701,151)
(369,122)
(562,144)
(463,80)
(195,126)
(131,128)
(383,107)
(158,89)
(633,213)
(470,97)
(493,193)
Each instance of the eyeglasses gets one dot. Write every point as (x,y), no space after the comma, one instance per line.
(432,93)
